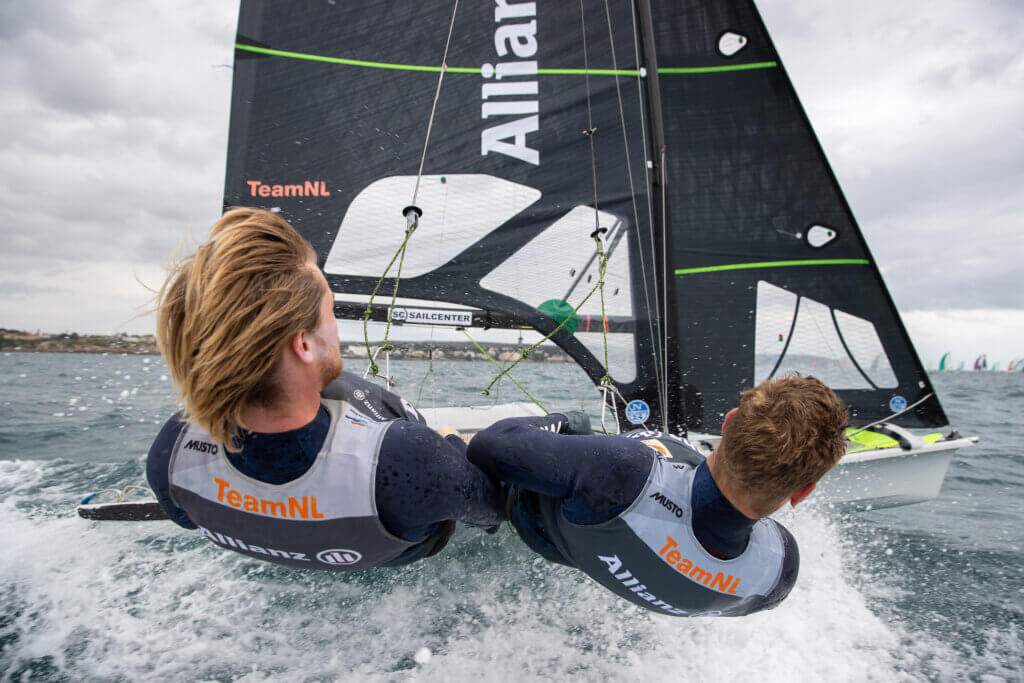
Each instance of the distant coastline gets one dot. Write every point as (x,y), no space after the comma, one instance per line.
(72,342)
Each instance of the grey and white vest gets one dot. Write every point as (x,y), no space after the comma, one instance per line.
(649,554)
(325,519)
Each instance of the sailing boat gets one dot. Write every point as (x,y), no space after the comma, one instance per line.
(636,182)
(946,362)
(981,362)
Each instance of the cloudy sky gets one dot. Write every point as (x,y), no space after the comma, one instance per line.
(113,127)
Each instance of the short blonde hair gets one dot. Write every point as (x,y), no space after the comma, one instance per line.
(787,433)
(226,312)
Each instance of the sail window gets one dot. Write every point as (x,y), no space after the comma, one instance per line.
(540,271)
(866,349)
(818,236)
(798,334)
(729,43)
(458,210)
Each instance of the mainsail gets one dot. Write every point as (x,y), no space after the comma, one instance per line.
(542,140)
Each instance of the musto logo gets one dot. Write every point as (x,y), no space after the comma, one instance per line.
(339,557)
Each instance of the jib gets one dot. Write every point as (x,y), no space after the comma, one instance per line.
(667,504)
(202,446)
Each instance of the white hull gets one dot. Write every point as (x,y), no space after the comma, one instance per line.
(863,480)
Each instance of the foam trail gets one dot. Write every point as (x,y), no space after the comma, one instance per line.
(88,598)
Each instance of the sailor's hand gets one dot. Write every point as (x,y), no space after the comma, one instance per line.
(445,432)
(577,422)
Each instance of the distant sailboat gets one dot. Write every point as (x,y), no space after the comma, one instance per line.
(981,362)
(946,362)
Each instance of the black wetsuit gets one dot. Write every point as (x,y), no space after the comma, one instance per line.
(598,477)
(423,481)
(576,500)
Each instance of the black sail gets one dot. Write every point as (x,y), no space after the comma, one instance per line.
(671,127)
(331,108)
(768,270)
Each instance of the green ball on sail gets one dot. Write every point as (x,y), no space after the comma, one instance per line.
(559,311)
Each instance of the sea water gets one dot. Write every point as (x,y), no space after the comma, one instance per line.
(930,591)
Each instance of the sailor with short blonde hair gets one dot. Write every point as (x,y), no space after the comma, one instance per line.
(645,514)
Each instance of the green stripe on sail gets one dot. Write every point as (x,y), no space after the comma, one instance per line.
(672,71)
(775,264)
(350,62)
(476,70)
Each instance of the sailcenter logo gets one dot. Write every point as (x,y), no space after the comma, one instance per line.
(307,188)
(638,411)
(432,316)
(516,94)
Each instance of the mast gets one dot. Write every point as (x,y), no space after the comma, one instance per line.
(659,197)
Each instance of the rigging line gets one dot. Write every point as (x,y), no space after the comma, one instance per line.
(369,304)
(897,414)
(632,189)
(664,275)
(601,259)
(412,214)
(828,345)
(433,108)
(615,236)
(590,120)
(560,325)
(661,380)
(504,371)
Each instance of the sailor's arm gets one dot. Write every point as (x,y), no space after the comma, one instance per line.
(423,479)
(158,470)
(597,477)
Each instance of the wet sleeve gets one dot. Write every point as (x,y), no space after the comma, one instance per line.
(424,479)
(158,470)
(597,477)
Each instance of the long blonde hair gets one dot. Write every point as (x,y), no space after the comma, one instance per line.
(226,312)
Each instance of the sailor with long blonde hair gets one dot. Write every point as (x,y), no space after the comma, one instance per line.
(278,454)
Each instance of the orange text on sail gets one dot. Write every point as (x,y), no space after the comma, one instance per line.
(308,188)
(723,583)
(293,508)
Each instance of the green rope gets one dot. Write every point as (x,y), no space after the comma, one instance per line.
(374,368)
(430,371)
(602,261)
(504,371)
